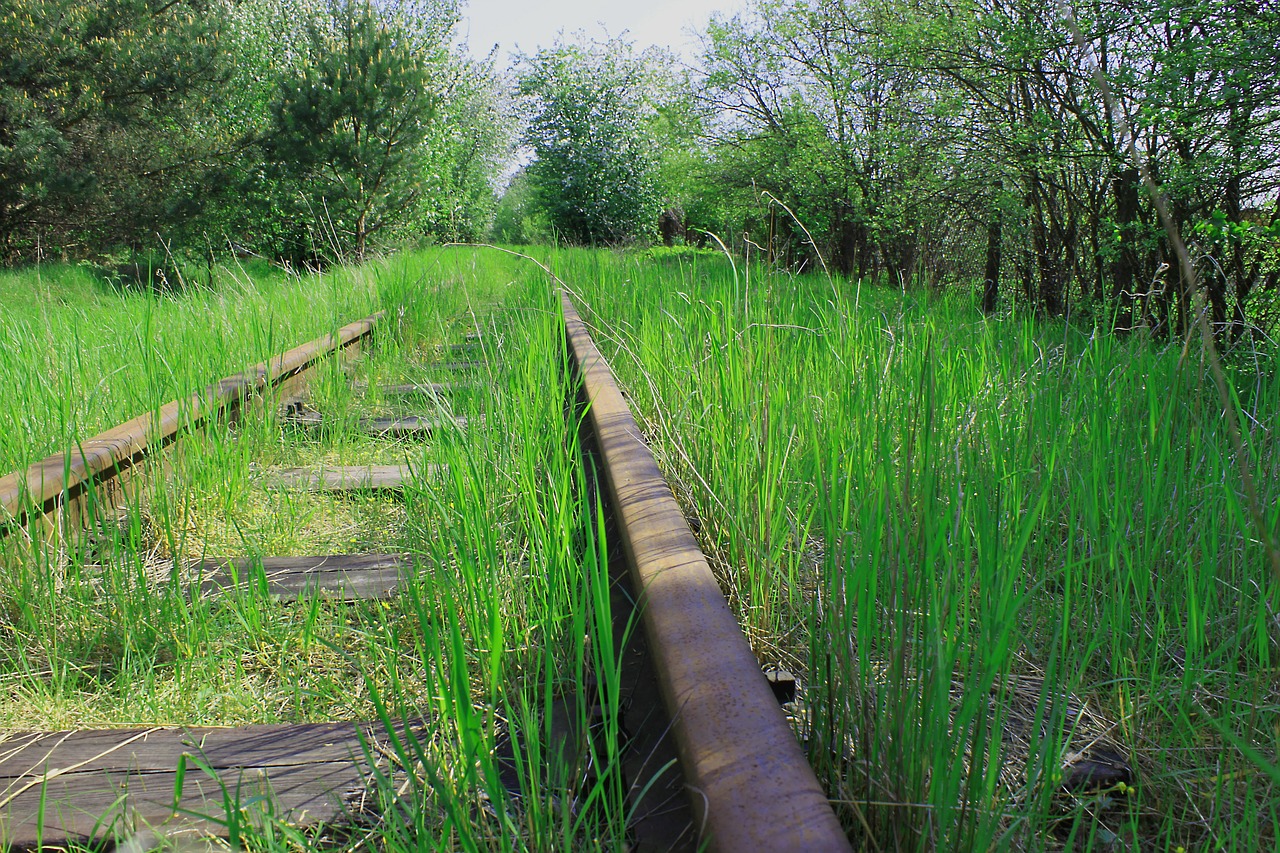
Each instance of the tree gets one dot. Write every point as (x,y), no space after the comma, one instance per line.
(595,174)
(89,92)
(1189,87)
(518,218)
(909,136)
(229,195)
(350,127)
(466,149)
(819,107)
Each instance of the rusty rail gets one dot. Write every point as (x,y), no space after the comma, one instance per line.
(43,486)
(750,784)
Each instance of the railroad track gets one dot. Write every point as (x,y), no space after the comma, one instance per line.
(736,778)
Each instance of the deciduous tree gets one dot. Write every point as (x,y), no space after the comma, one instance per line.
(595,174)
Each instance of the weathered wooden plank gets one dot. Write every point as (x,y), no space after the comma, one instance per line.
(419,389)
(345,478)
(306,419)
(102,783)
(409,426)
(349,577)
(458,366)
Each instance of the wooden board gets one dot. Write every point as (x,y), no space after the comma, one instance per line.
(345,478)
(349,577)
(114,782)
(306,419)
(419,389)
(410,426)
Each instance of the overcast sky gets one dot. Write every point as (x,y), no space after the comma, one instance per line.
(516,25)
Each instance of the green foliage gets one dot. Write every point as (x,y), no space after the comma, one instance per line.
(229,198)
(992,549)
(819,110)
(595,174)
(349,128)
(292,129)
(519,219)
(905,135)
(679,130)
(465,149)
(509,572)
(90,93)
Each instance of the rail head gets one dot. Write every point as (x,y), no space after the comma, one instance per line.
(749,781)
(41,485)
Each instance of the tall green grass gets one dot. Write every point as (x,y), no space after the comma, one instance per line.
(78,355)
(988,545)
(483,646)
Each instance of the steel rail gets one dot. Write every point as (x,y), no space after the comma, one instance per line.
(751,787)
(41,486)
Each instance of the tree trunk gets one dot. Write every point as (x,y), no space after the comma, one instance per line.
(863,247)
(991,277)
(1124,186)
(1050,296)
(362,235)
(846,241)
(1243,282)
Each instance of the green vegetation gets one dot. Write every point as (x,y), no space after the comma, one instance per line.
(483,640)
(91,96)
(351,128)
(595,171)
(79,354)
(304,132)
(975,483)
(988,546)
(1004,146)
(919,142)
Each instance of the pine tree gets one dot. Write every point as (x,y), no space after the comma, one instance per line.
(350,127)
(89,92)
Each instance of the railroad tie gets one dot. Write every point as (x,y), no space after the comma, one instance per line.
(347,577)
(417,389)
(457,366)
(409,426)
(348,478)
(103,782)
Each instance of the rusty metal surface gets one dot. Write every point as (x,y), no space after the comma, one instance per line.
(749,782)
(43,484)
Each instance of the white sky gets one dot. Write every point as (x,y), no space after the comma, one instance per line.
(526,26)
